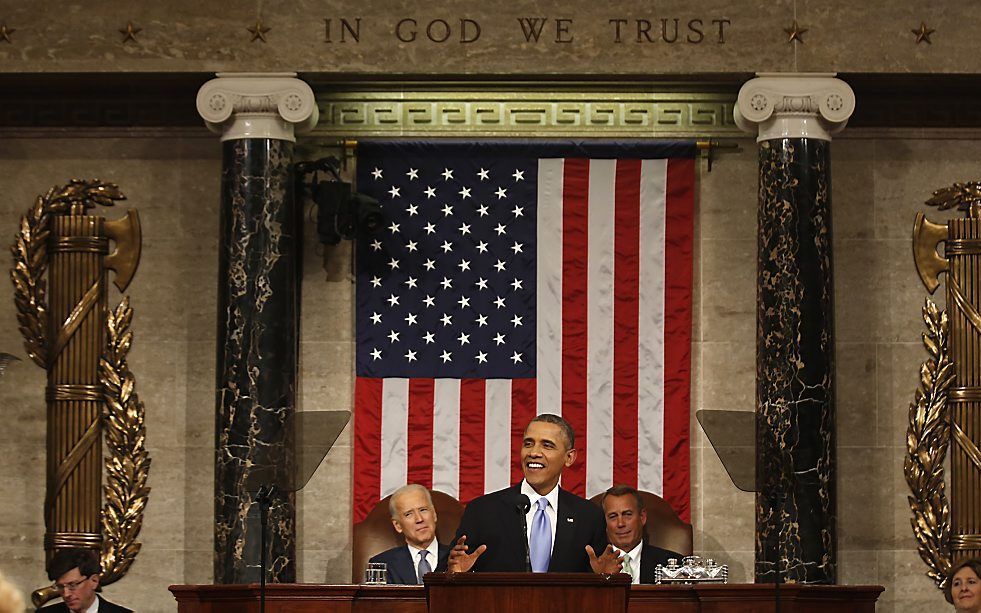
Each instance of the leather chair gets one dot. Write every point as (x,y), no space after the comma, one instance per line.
(664,528)
(375,533)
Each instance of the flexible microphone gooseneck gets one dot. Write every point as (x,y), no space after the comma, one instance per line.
(522,507)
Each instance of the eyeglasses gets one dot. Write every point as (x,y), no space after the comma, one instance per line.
(70,587)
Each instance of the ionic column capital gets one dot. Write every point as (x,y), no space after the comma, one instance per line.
(794,105)
(257,105)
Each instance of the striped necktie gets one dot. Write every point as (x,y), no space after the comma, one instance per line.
(424,566)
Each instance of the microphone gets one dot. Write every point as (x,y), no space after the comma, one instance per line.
(522,506)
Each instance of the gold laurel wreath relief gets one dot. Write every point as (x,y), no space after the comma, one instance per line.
(127,460)
(927,438)
(30,262)
(128,464)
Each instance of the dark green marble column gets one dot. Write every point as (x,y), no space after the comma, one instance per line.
(258,323)
(796,514)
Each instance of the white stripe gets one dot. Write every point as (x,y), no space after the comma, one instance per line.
(497,435)
(650,366)
(549,287)
(599,326)
(395,421)
(446,436)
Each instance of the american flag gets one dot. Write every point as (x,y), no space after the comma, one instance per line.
(512,279)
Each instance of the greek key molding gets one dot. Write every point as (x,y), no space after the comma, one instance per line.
(354,114)
(794,105)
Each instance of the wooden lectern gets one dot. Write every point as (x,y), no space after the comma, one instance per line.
(526,592)
(486,593)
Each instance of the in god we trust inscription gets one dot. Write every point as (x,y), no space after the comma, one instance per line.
(618,30)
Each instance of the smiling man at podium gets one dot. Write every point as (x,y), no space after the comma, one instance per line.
(535,525)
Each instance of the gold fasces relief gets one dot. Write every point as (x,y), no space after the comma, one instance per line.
(61,255)
(945,417)
(927,438)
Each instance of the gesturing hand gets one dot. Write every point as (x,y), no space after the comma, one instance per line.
(607,564)
(460,561)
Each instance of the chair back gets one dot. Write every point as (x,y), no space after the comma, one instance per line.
(376,534)
(664,528)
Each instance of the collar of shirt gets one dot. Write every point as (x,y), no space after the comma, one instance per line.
(634,555)
(433,556)
(551,510)
(533,496)
(94,607)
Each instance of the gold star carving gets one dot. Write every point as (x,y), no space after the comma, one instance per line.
(795,32)
(5,33)
(129,32)
(923,34)
(258,31)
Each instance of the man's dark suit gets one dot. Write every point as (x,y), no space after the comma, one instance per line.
(104,607)
(494,520)
(650,557)
(401,566)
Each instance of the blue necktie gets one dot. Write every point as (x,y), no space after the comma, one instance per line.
(540,543)
(423,566)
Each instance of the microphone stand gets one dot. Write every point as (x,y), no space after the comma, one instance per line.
(264,498)
(522,508)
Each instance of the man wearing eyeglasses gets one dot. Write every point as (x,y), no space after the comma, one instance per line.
(76,573)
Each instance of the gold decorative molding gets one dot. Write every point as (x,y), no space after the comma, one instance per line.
(927,439)
(521,112)
(128,464)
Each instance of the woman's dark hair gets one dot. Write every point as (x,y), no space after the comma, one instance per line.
(972,563)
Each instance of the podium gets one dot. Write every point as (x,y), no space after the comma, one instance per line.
(526,592)
(512,589)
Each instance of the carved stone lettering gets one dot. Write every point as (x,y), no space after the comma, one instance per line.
(459,30)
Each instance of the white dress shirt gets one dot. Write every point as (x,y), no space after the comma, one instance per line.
(94,607)
(634,555)
(433,556)
(551,510)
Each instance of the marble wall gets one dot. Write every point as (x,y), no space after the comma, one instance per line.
(460,37)
(173,178)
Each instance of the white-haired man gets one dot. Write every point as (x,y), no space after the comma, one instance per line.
(414,517)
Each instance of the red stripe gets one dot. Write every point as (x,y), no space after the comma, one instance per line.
(473,395)
(367,445)
(575,241)
(524,394)
(626,312)
(677,334)
(419,438)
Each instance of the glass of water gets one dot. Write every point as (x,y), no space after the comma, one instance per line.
(376,573)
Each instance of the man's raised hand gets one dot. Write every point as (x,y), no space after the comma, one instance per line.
(607,564)
(460,561)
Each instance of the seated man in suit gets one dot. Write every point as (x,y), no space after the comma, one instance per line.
(76,573)
(535,525)
(414,517)
(625,522)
